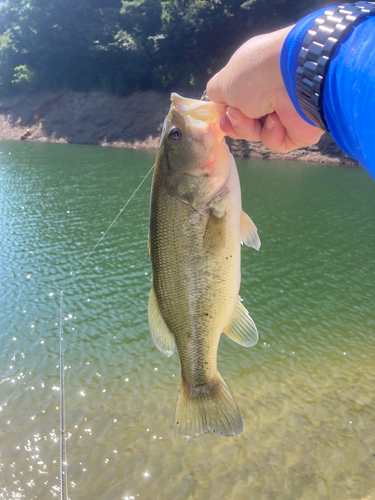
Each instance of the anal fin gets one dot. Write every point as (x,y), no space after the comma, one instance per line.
(161,335)
(241,328)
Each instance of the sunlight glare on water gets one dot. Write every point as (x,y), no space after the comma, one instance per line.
(306,391)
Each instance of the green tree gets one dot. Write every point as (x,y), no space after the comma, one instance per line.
(123,45)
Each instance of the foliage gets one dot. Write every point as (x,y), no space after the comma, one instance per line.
(124,45)
(23,77)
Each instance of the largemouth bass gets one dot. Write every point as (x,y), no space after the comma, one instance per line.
(196,229)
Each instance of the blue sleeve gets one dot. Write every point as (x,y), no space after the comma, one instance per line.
(348,97)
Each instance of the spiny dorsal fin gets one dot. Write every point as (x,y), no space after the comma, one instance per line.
(248,232)
(241,328)
(160,333)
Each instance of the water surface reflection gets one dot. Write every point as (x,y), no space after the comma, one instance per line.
(306,390)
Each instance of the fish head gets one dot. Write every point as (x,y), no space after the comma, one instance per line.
(193,147)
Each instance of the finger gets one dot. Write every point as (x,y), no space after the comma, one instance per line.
(273,132)
(277,137)
(274,135)
(214,88)
(228,129)
(239,126)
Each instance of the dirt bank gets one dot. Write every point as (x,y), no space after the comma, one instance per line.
(132,122)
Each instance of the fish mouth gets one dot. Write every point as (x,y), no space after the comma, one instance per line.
(205,111)
(201,117)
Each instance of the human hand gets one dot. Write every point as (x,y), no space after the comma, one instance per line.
(259,108)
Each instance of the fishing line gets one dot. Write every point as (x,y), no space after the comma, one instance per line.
(64,488)
(104,235)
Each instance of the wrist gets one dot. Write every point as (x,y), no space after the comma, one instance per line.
(289,57)
(318,49)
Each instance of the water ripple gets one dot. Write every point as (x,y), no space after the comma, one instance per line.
(305,391)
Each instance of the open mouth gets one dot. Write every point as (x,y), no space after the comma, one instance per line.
(205,111)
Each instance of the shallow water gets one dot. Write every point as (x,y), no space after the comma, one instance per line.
(306,391)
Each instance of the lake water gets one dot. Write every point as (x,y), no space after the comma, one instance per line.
(306,391)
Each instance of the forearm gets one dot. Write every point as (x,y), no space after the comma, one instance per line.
(348,101)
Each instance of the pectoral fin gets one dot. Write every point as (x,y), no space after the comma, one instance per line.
(241,328)
(215,231)
(160,333)
(248,232)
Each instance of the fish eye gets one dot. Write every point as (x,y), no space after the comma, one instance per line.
(175,134)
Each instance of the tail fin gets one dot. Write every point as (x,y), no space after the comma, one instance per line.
(209,408)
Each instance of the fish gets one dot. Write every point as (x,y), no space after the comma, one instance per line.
(196,228)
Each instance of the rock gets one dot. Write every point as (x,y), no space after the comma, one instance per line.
(133,121)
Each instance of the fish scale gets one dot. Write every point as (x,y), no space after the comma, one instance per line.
(184,292)
(196,228)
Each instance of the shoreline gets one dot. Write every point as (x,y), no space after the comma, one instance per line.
(134,122)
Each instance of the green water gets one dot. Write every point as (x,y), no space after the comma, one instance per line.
(306,391)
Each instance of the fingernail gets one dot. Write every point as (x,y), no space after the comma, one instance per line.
(269,123)
(232,120)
